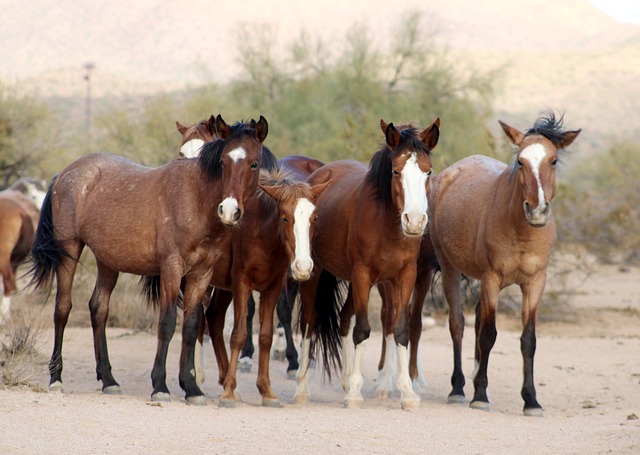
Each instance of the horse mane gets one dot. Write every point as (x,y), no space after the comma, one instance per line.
(288,187)
(211,152)
(547,125)
(379,174)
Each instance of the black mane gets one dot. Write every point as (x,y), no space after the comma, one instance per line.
(379,174)
(211,152)
(550,127)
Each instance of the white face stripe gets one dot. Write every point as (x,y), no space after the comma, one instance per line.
(237,154)
(301,225)
(534,154)
(414,182)
(191,149)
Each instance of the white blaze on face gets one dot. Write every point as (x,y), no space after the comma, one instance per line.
(192,148)
(302,264)
(414,180)
(534,154)
(237,154)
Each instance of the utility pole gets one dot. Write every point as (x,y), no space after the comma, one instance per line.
(87,77)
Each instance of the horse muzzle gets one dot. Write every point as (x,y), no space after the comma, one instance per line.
(229,212)
(414,226)
(301,269)
(538,216)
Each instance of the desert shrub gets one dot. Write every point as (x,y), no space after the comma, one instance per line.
(19,355)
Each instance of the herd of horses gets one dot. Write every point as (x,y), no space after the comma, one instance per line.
(227,218)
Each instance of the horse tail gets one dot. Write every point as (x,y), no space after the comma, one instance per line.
(326,334)
(46,251)
(150,290)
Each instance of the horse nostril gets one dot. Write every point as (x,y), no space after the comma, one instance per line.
(237,215)
(220,210)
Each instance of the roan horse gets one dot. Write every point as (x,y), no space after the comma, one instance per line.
(493,222)
(369,227)
(19,215)
(274,237)
(154,222)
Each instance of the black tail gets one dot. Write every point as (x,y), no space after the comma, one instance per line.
(150,290)
(326,333)
(46,252)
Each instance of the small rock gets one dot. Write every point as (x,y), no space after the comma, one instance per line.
(632,417)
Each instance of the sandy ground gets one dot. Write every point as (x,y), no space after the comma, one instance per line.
(587,376)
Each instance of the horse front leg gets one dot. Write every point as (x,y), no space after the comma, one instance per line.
(531,296)
(402,289)
(99,308)
(485,339)
(386,365)
(244,363)
(361,288)
(238,337)
(347,324)
(284,308)
(195,289)
(268,301)
(420,290)
(215,314)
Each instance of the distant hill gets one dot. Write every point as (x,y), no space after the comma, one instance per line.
(564,55)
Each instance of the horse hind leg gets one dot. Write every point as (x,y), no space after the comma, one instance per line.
(99,308)
(451,286)
(285,315)
(245,361)
(9,280)
(64,278)
(386,365)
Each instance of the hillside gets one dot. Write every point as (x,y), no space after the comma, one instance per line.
(564,55)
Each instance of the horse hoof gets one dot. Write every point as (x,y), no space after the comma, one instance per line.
(271,403)
(112,390)
(291,374)
(244,365)
(226,403)
(161,397)
(382,394)
(301,399)
(56,387)
(410,404)
(533,412)
(480,405)
(353,403)
(197,400)
(455,399)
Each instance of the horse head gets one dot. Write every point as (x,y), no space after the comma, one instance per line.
(297,211)
(195,136)
(536,160)
(408,152)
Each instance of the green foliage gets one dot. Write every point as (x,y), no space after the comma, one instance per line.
(25,141)
(599,208)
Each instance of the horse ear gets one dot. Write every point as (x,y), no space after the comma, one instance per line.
(392,136)
(383,126)
(318,188)
(568,137)
(252,124)
(222,128)
(211,126)
(262,129)
(272,191)
(515,136)
(431,134)
(181,128)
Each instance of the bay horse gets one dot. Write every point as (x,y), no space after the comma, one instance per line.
(19,216)
(493,222)
(164,222)
(299,168)
(273,238)
(370,223)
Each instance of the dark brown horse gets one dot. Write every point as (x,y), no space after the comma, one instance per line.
(195,136)
(493,222)
(164,222)
(370,223)
(273,239)
(18,221)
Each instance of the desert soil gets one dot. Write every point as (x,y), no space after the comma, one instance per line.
(587,374)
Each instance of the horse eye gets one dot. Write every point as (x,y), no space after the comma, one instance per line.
(430,172)
(221,164)
(254,165)
(554,162)
(285,219)
(395,173)
(520,163)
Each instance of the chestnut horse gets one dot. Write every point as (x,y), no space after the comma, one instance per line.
(273,238)
(299,168)
(493,222)
(370,222)
(163,221)
(19,217)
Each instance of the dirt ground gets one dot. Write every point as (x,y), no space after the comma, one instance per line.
(587,374)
